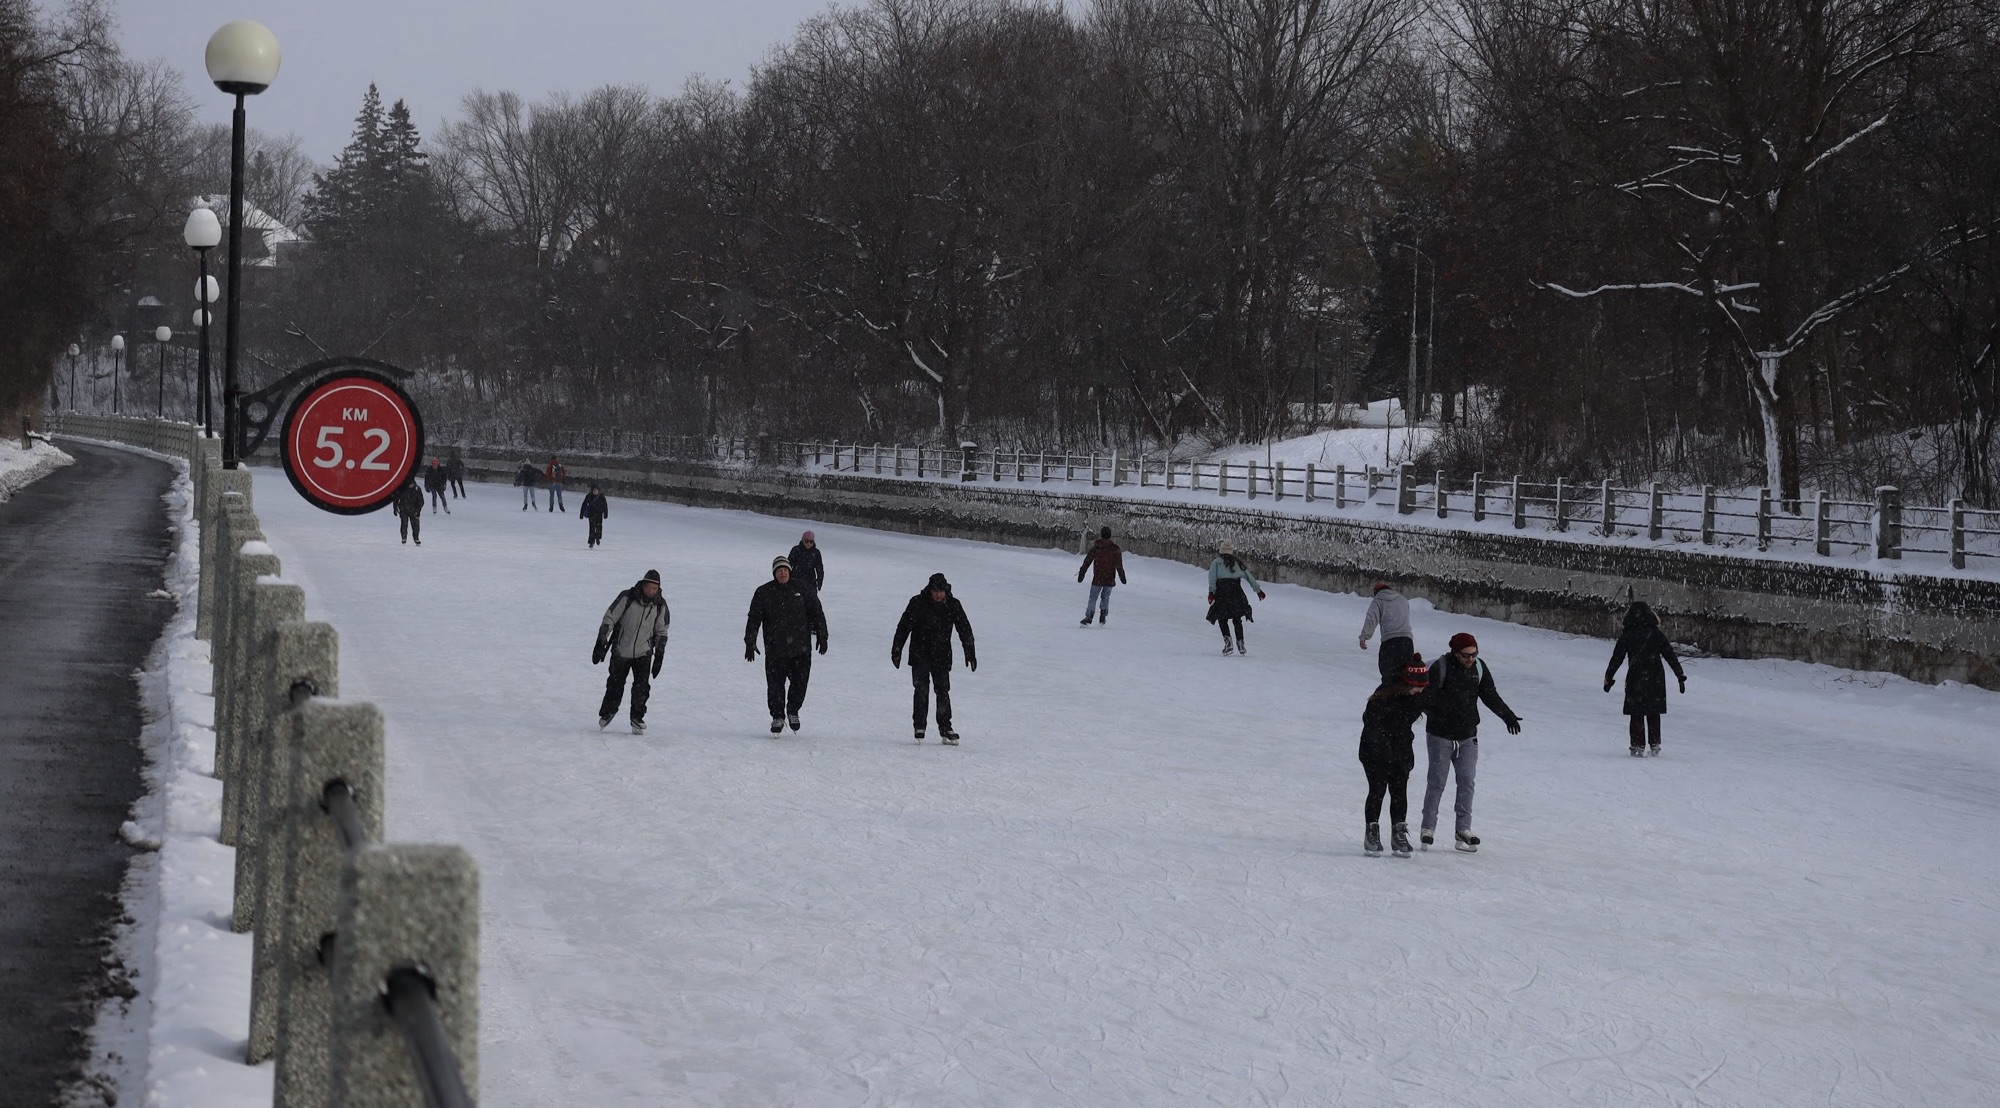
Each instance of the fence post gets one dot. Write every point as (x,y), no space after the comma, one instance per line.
(1278,481)
(1889,522)
(1170,469)
(971,471)
(1610,509)
(214,483)
(403,907)
(1520,510)
(1439,499)
(1764,519)
(230,657)
(899,459)
(1822,525)
(1222,478)
(1958,534)
(1478,497)
(1250,480)
(877,452)
(1374,478)
(257,763)
(1708,515)
(1340,486)
(1114,467)
(1312,476)
(1562,507)
(1655,511)
(1406,490)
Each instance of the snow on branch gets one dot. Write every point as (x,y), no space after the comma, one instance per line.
(918,358)
(1669,286)
(1843,144)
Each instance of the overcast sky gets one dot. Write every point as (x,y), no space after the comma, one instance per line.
(430,53)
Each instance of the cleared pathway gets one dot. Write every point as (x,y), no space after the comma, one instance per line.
(79,552)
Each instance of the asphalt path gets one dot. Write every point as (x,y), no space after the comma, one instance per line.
(80,550)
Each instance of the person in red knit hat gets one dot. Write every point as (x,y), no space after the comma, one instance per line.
(1460,683)
(1387,735)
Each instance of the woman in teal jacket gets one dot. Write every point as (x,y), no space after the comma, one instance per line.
(1227,603)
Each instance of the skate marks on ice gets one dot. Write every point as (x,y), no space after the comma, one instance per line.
(1140,880)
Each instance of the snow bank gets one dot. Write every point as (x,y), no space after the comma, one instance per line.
(19,468)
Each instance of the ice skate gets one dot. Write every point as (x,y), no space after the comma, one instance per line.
(777,725)
(792,720)
(603,722)
(1429,835)
(1654,750)
(638,727)
(1466,841)
(1228,648)
(920,734)
(947,736)
(1104,617)
(1242,648)
(1372,843)
(1085,622)
(1638,752)
(1399,840)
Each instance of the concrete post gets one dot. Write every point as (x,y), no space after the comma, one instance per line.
(1374,480)
(1340,486)
(1957,534)
(236,528)
(1562,508)
(1514,501)
(1763,519)
(1222,479)
(402,906)
(231,667)
(250,784)
(216,484)
(1607,507)
(291,999)
(1439,499)
(1708,515)
(1888,522)
(1406,489)
(1250,480)
(1822,525)
(1655,511)
(1278,481)
(1311,481)
(1478,497)
(970,471)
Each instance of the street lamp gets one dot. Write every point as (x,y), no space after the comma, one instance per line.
(162,334)
(242,60)
(117,363)
(203,231)
(1416,269)
(73,352)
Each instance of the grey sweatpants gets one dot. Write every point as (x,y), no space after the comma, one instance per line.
(1448,755)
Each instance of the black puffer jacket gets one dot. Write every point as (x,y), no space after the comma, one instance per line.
(1456,693)
(1645,679)
(408,501)
(790,617)
(1388,723)
(927,626)
(807,566)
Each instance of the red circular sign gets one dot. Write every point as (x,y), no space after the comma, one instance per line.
(351,441)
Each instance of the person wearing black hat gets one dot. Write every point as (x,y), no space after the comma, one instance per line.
(1391,612)
(634,627)
(525,478)
(927,623)
(787,610)
(1645,682)
(408,504)
(1388,753)
(593,509)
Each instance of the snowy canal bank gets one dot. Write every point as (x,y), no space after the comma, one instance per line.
(1140,879)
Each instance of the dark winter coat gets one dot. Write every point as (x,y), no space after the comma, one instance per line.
(635,625)
(1456,693)
(594,506)
(1388,724)
(434,478)
(1109,563)
(1646,647)
(790,616)
(1226,575)
(806,565)
(927,626)
(408,501)
(454,468)
(526,475)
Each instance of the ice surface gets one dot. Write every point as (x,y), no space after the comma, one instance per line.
(1140,880)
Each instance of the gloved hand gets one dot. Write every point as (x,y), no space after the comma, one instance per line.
(659,658)
(598,652)
(896,658)
(1514,726)
(1211,598)
(749,652)
(972,663)
(1260,594)
(1079,577)
(1121,579)
(1608,682)
(822,645)
(1684,682)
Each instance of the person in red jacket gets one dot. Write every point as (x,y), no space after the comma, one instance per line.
(1109,563)
(555,474)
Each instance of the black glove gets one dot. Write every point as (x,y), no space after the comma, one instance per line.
(1079,577)
(749,652)
(1514,726)
(972,663)
(659,658)
(1608,682)
(1260,595)
(1684,681)
(822,645)
(896,658)
(598,652)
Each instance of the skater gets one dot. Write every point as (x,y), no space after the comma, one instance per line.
(1387,753)
(806,564)
(435,484)
(1645,679)
(454,471)
(525,478)
(1227,603)
(593,509)
(1460,683)
(1109,571)
(1390,612)
(555,475)
(787,610)
(927,623)
(634,627)
(408,504)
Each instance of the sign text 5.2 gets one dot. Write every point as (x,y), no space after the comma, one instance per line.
(328,453)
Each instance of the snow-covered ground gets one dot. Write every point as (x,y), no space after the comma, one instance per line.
(1140,880)
(1377,438)
(18,467)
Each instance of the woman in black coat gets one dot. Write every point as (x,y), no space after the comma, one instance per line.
(1646,680)
(1388,735)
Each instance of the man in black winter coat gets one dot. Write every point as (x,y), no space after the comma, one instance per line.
(436,485)
(927,623)
(593,510)
(1459,684)
(788,612)
(408,504)
(806,565)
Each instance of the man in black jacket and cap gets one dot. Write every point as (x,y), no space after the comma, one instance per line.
(926,626)
(408,504)
(788,612)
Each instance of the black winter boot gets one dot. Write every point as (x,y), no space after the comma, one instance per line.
(1373,843)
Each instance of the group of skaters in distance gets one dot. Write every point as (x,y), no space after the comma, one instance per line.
(1447,692)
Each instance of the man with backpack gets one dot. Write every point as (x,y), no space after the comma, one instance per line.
(555,474)
(1459,684)
(634,629)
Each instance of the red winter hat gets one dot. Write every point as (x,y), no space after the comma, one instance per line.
(1416,674)
(1379,586)
(1462,640)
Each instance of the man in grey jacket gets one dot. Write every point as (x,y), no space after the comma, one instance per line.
(1391,613)
(634,628)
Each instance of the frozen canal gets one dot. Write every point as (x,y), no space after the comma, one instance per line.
(1139,881)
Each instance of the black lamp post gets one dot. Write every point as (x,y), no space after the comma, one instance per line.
(202,232)
(162,335)
(242,60)
(117,366)
(73,352)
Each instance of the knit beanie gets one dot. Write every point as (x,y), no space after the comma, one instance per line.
(807,537)
(1462,641)
(1227,547)
(1379,586)
(937,583)
(780,562)
(652,575)
(1416,674)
